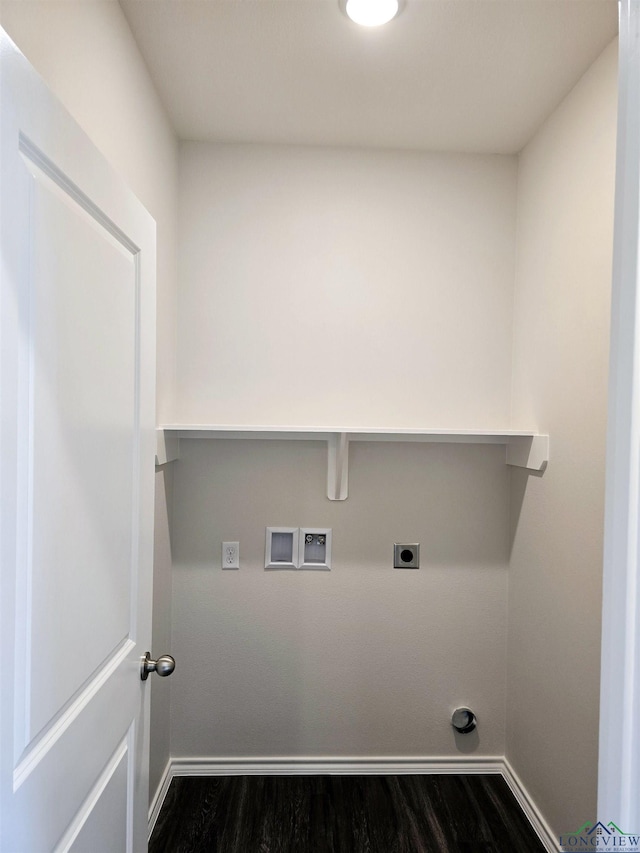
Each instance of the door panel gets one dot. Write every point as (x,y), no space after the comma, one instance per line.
(55,793)
(81,561)
(104,814)
(77,464)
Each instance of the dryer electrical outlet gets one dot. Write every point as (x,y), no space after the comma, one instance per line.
(406,556)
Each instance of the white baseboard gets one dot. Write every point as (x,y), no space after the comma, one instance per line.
(310,766)
(158,798)
(541,827)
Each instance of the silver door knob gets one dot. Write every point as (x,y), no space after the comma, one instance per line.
(163,666)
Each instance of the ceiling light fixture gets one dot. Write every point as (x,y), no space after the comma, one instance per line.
(370,13)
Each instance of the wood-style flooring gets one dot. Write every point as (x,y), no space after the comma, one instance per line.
(342,814)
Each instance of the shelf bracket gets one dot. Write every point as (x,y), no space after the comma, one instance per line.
(338,466)
(167,447)
(530,452)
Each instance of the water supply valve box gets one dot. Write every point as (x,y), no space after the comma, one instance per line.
(315,548)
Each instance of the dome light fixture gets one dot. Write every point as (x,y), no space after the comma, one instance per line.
(371,13)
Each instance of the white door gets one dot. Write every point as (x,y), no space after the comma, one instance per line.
(77,316)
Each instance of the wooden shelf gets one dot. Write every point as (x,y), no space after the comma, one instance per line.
(523,449)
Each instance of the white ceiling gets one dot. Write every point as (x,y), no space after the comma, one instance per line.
(454,75)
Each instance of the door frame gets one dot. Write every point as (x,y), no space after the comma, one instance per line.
(619,747)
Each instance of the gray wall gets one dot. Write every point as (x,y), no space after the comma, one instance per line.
(360,661)
(352,287)
(563,283)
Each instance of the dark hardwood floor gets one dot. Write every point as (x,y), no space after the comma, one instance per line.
(342,814)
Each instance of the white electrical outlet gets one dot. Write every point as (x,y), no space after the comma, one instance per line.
(230,555)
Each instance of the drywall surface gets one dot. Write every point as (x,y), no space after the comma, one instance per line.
(344,287)
(88,58)
(360,661)
(563,283)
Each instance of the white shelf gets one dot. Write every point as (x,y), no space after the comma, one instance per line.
(523,449)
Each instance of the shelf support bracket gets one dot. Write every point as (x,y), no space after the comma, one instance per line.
(167,447)
(338,466)
(530,452)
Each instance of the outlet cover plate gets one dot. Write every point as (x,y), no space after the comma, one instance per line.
(315,548)
(230,555)
(406,556)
